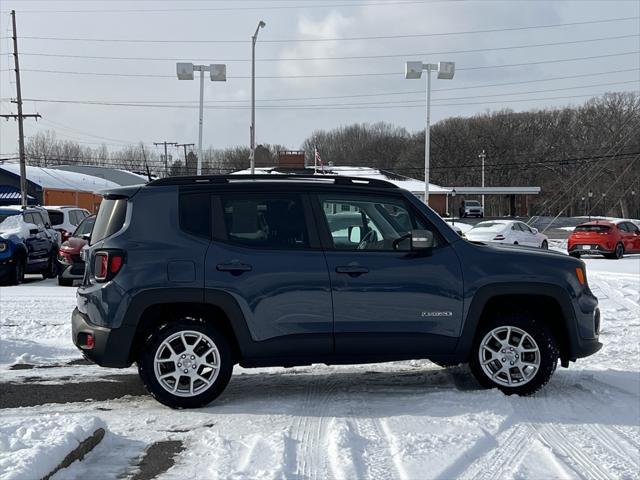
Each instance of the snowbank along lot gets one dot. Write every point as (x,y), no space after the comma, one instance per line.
(404,420)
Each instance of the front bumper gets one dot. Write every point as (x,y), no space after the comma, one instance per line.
(111,345)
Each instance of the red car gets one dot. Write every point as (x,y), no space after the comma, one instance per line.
(609,238)
(70,264)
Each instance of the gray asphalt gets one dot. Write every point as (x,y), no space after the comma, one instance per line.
(30,393)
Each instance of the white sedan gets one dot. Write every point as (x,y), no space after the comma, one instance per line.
(507,231)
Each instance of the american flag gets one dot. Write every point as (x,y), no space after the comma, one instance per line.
(318,160)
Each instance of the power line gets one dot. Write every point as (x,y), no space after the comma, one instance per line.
(234,9)
(353,57)
(336,39)
(344,106)
(343,75)
(214,104)
(355,95)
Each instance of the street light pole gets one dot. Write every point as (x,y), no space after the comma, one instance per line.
(218,73)
(252,128)
(427,138)
(482,157)
(590,194)
(413,70)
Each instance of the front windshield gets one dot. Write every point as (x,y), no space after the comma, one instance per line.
(489,227)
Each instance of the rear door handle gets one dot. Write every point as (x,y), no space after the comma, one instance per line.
(352,270)
(234,268)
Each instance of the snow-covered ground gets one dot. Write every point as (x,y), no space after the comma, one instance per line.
(404,420)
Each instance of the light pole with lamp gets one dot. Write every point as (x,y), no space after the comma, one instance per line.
(218,73)
(584,204)
(590,194)
(604,204)
(252,128)
(482,157)
(634,209)
(413,70)
(453,201)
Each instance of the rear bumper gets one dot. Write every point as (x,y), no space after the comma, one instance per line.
(593,249)
(111,345)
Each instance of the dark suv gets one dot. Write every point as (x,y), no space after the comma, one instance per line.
(188,276)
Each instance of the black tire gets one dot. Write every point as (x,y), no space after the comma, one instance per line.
(617,254)
(16,274)
(154,342)
(545,245)
(52,267)
(65,282)
(547,347)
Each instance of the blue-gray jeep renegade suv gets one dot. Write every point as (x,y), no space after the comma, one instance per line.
(188,276)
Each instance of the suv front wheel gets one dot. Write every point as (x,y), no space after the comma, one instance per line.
(186,364)
(514,353)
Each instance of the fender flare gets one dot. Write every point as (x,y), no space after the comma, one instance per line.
(486,293)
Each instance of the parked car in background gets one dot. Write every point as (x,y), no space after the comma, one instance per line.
(602,237)
(71,264)
(65,219)
(471,208)
(507,231)
(27,244)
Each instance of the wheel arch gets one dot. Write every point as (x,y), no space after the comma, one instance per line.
(151,309)
(545,301)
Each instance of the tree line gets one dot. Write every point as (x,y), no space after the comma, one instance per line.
(568,152)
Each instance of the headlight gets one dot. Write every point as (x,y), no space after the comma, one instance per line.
(3,247)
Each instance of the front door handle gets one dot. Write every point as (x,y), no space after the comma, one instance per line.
(352,270)
(234,268)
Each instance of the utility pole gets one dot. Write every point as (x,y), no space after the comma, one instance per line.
(482,157)
(185,145)
(20,116)
(166,164)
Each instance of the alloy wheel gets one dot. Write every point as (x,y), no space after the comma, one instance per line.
(187,363)
(509,356)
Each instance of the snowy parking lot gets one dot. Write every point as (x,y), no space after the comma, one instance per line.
(404,420)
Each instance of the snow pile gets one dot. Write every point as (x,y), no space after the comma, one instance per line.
(15,225)
(33,447)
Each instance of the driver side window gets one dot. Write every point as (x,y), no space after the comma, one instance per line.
(369,222)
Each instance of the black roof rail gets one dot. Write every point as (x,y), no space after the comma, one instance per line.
(214,179)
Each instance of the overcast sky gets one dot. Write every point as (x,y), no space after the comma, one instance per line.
(289,109)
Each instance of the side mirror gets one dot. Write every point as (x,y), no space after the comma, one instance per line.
(86,236)
(421,240)
(534,230)
(355,234)
(47,225)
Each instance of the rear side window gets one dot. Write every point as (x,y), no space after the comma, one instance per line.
(110,218)
(276,221)
(592,228)
(57,217)
(195,213)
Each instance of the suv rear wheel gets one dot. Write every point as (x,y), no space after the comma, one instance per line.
(17,271)
(186,363)
(514,353)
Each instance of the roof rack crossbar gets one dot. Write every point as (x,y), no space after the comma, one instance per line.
(216,179)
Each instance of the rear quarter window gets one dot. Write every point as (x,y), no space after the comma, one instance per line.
(110,219)
(195,213)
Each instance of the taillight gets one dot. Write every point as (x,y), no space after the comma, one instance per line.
(106,264)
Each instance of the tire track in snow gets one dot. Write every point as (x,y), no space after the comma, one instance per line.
(566,450)
(377,454)
(509,451)
(309,429)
